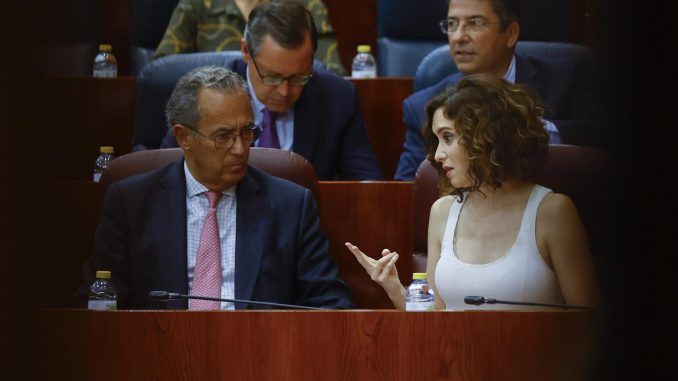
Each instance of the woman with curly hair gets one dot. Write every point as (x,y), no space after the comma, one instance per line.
(494,232)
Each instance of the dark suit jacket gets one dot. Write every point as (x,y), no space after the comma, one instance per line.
(329,130)
(568,92)
(281,254)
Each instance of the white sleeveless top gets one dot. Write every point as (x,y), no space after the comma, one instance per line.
(520,275)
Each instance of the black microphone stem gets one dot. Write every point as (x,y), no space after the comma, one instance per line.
(565,307)
(271,304)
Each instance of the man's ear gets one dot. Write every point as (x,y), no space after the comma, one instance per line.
(245,51)
(513,31)
(182,134)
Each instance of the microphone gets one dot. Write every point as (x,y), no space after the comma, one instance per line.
(165,296)
(478,300)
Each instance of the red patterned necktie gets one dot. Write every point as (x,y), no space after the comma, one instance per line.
(207,272)
(269,135)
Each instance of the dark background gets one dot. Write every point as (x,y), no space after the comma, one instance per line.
(638,326)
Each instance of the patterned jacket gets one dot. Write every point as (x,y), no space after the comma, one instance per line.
(216,25)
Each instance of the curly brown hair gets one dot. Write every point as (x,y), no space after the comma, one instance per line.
(500,126)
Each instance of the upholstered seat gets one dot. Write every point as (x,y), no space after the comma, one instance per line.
(406,32)
(280,163)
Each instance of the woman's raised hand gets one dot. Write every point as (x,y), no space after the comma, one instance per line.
(382,271)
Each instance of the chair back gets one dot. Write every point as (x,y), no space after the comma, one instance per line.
(280,163)
(438,64)
(149,22)
(155,84)
(585,174)
(407,30)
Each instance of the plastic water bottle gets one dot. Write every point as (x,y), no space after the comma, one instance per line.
(105,64)
(102,161)
(419,295)
(364,65)
(102,295)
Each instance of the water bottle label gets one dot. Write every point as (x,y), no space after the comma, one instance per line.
(364,74)
(102,305)
(96,177)
(419,306)
(106,73)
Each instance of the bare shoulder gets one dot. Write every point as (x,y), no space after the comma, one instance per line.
(556,208)
(554,204)
(441,208)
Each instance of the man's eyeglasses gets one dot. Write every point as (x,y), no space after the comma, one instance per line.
(475,24)
(226,139)
(275,80)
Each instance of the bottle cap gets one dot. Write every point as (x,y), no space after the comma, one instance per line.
(419,276)
(104,274)
(364,48)
(106,48)
(106,149)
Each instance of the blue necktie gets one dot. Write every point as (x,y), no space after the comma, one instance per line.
(269,135)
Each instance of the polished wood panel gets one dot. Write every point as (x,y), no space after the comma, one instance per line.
(354,23)
(87,113)
(116,29)
(381,101)
(374,216)
(292,345)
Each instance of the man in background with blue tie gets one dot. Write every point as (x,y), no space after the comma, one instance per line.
(210,225)
(301,108)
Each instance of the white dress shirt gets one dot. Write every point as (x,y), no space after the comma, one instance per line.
(197,206)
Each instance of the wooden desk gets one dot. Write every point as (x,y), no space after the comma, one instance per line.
(381,101)
(374,216)
(293,345)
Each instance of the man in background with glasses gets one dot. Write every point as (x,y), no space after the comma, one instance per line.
(300,108)
(209,225)
(482,35)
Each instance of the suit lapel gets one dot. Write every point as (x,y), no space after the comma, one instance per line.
(307,120)
(169,233)
(252,231)
(526,74)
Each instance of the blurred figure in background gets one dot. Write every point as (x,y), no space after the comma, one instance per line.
(217,25)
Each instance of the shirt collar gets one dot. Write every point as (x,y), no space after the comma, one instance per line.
(194,188)
(510,75)
(257,106)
